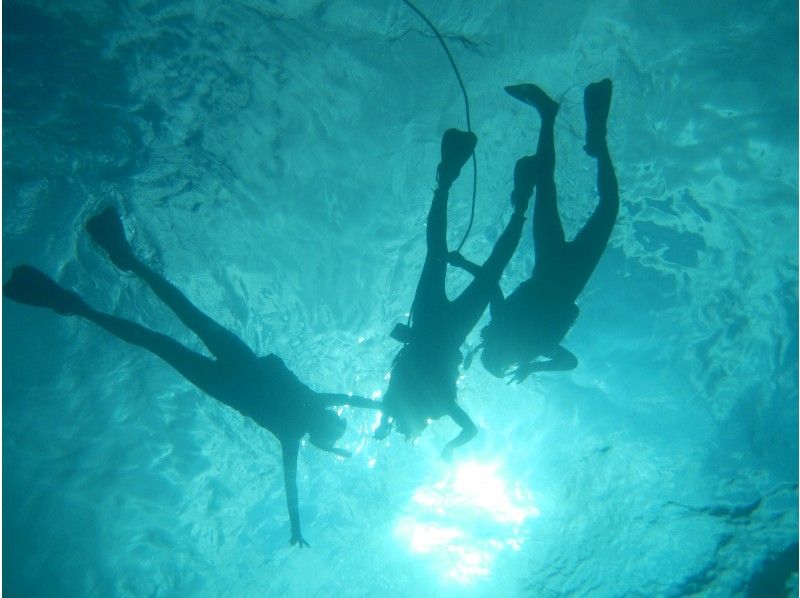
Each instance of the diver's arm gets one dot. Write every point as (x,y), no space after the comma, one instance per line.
(344,453)
(331,399)
(289,449)
(496,299)
(468,430)
(559,360)
(454,258)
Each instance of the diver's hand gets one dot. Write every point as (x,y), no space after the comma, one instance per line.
(382,431)
(521,373)
(447,453)
(454,258)
(297,538)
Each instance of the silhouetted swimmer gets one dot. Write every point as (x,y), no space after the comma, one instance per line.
(533,320)
(261,388)
(423,379)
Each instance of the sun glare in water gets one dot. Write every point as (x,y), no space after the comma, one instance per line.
(465,520)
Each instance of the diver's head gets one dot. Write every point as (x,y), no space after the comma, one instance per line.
(401,403)
(325,428)
(494,356)
(411,424)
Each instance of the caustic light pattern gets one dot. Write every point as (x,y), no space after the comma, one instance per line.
(275,161)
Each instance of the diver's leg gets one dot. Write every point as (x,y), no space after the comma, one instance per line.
(430,296)
(106,230)
(219,340)
(469,306)
(471,303)
(548,233)
(587,247)
(30,286)
(590,243)
(197,369)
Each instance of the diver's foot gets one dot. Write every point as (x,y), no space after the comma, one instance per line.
(596,104)
(32,287)
(383,430)
(534,95)
(106,230)
(525,175)
(457,147)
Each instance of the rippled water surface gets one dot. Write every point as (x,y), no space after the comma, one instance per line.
(275,160)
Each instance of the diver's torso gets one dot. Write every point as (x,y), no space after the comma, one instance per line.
(423,378)
(266,391)
(532,320)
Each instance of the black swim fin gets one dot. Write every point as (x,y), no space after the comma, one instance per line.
(107,231)
(456,148)
(32,287)
(533,95)
(402,333)
(596,105)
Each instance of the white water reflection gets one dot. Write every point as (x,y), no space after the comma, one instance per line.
(465,520)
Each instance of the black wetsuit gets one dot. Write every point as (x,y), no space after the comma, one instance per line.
(424,373)
(261,388)
(533,320)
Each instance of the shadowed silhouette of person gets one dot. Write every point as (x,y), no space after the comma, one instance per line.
(422,384)
(533,320)
(261,388)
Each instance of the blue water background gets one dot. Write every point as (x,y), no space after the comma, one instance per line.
(275,161)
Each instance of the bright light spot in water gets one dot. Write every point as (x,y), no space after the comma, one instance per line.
(376,421)
(476,486)
(360,446)
(360,339)
(377,394)
(425,538)
(465,520)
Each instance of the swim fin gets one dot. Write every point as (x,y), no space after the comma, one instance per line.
(32,287)
(596,105)
(402,333)
(457,147)
(533,95)
(107,231)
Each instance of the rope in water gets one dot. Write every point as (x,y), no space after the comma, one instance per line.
(466,107)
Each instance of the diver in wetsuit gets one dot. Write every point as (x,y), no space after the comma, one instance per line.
(422,386)
(533,320)
(261,388)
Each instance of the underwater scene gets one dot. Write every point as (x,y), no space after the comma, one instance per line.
(269,329)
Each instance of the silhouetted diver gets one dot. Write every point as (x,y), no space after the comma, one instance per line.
(261,388)
(534,319)
(422,386)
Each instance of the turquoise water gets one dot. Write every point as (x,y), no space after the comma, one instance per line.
(275,161)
